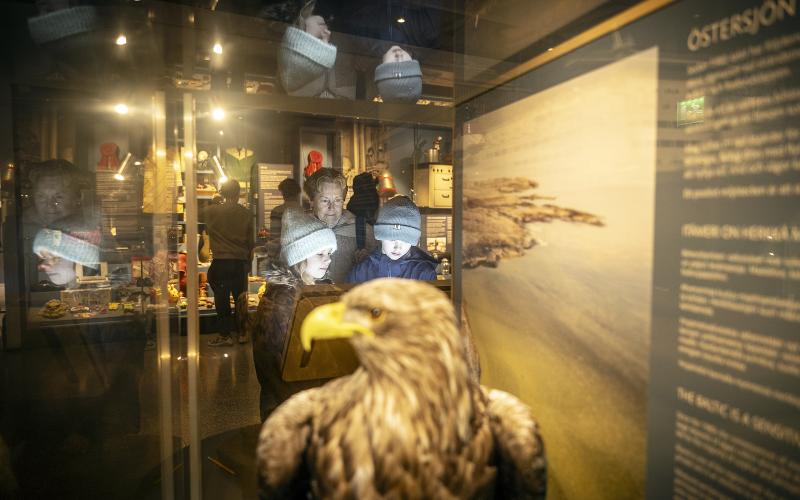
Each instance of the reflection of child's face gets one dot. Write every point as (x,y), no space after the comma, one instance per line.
(54,199)
(396,54)
(317,265)
(59,271)
(395,249)
(316,27)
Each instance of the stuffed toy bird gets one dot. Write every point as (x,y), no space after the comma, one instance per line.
(410,422)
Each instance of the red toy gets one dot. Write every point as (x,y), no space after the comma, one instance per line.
(109,157)
(314,163)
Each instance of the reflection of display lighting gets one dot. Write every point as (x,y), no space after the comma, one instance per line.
(121,108)
(401,20)
(222,177)
(218,114)
(217,48)
(550,49)
(118,176)
(221,132)
(121,40)
(137,163)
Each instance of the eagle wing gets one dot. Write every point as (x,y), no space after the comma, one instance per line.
(520,450)
(282,444)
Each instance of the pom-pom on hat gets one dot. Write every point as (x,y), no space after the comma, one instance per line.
(66,246)
(399,80)
(399,219)
(303,236)
(303,58)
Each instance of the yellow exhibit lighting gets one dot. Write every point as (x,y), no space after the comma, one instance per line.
(118,176)
(121,40)
(401,20)
(121,108)
(221,132)
(218,114)
(217,48)
(222,177)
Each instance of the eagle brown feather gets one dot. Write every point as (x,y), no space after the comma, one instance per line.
(409,423)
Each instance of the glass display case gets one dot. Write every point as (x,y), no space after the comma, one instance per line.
(606,191)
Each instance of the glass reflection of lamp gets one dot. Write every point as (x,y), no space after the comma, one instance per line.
(386,186)
(118,176)
(222,177)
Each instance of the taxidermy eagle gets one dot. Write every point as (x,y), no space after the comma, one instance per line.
(410,422)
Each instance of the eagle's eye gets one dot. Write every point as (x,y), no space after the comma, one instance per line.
(376,312)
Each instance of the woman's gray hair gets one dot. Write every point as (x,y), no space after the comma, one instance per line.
(313,185)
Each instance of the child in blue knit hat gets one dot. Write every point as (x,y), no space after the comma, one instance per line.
(397,228)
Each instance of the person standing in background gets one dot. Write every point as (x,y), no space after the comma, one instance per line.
(230,230)
(290,191)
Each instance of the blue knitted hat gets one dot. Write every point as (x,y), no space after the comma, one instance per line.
(399,219)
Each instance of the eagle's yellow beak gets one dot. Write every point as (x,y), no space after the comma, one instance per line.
(327,322)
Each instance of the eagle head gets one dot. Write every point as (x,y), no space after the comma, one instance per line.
(389,321)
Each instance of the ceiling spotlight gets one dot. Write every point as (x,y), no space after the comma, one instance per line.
(121,108)
(401,20)
(221,132)
(217,48)
(121,40)
(218,114)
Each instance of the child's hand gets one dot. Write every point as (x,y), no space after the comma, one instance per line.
(361,254)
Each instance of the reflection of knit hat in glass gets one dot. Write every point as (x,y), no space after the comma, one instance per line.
(303,236)
(399,80)
(398,219)
(67,247)
(303,58)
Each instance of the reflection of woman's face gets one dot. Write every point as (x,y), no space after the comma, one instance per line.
(59,271)
(328,203)
(54,199)
(317,265)
(316,27)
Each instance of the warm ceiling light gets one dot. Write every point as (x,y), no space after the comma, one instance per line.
(401,20)
(121,108)
(218,114)
(221,132)
(217,48)
(121,40)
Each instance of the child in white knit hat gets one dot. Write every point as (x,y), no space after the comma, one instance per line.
(307,244)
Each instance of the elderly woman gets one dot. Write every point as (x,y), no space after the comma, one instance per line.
(326,189)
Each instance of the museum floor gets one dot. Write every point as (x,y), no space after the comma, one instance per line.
(78,425)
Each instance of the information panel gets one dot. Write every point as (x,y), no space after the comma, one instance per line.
(630,252)
(269,176)
(725,369)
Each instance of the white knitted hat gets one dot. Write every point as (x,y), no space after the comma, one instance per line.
(303,58)
(303,236)
(66,247)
